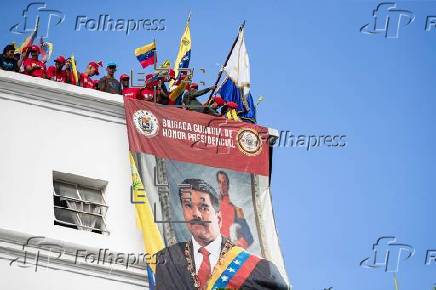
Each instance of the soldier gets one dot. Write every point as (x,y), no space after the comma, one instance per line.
(135,93)
(132,93)
(213,105)
(91,70)
(32,65)
(56,72)
(155,84)
(108,83)
(69,77)
(190,97)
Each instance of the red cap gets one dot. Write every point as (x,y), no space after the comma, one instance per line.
(149,76)
(150,84)
(232,105)
(172,73)
(193,85)
(96,65)
(219,100)
(34,48)
(60,59)
(124,76)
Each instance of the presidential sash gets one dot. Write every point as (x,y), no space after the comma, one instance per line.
(233,269)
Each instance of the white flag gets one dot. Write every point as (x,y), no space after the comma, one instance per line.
(238,65)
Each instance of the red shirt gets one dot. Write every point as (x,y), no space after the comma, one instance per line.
(131,93)
(56,75)
(146,94)
(86,81)
(69,78)
(39,72)
(138,93)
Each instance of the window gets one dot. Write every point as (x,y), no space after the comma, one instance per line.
(79,202)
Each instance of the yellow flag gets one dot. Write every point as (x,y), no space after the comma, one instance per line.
(179,89)
(184,54)
(74,69)
(153,241)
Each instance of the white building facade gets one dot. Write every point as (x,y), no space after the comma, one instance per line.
(66,220)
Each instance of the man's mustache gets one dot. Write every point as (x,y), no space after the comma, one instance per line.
(198,222)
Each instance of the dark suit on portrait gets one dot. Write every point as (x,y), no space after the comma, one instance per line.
(173,273)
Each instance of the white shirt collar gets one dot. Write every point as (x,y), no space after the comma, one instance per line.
(214,248)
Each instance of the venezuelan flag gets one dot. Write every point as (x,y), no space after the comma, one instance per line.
(146,54)
(184,54)
(153,241)
(28,41)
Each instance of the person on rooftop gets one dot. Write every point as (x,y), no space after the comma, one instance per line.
(69,75)
(7,59)
(190,97)
(155,84)
(109,83)
(56,72)
(32,65)
(138,93)
(91,70)
(213,105)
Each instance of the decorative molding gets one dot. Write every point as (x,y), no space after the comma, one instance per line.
(61,97)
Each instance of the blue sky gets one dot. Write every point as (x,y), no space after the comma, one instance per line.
(319,76)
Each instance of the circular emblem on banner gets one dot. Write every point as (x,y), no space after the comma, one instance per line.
(146,123)
(249,142)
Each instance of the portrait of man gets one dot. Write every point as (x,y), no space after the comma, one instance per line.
(234,226)
(210,260)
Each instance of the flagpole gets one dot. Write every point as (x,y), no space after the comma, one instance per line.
(23,55)
(177,69)
(227,59)
(155,54)
(396,282)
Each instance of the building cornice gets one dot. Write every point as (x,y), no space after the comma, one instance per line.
(61,97)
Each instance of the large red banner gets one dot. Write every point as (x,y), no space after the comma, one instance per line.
(196,137)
